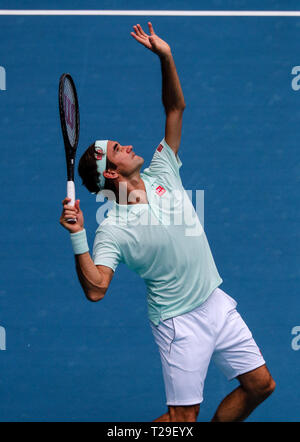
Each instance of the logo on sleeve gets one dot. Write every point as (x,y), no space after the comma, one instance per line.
(160,190)
(160,148)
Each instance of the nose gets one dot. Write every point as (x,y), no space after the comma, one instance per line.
(128,149)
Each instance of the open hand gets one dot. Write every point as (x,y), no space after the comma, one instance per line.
(152,41)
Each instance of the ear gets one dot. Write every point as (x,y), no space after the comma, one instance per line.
(110,174)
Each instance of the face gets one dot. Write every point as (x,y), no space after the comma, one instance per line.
(124,158)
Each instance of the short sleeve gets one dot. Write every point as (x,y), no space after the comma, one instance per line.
(106,251)
(164,161)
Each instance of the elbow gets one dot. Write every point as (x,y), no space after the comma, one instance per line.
(181,106)
(95,295)
(176,108)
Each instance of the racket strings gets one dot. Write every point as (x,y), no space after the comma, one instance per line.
(70,111)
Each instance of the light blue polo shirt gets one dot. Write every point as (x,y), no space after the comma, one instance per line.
(162,241)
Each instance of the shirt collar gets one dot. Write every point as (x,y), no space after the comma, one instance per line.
(123,210)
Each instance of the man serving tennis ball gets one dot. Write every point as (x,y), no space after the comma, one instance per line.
(192,319)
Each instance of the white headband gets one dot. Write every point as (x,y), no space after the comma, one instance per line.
(100,155)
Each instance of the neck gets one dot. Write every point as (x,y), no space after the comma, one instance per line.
(131,190)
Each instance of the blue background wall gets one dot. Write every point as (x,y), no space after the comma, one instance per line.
(71,360)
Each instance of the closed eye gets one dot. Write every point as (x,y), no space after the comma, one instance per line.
(115,146)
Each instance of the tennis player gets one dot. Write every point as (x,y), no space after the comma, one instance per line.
(192,319)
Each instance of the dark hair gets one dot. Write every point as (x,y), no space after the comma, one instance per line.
(87,169)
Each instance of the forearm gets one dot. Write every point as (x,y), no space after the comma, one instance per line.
(172,95)
(89,277)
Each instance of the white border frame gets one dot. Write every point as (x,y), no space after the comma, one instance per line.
(150,13)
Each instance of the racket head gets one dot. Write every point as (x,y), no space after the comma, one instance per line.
(69,119)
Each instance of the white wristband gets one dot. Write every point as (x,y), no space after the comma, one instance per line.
(79,242)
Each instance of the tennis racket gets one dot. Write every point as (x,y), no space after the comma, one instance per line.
(69,119)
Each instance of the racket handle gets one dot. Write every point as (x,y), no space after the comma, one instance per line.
(71,192)
(71,195)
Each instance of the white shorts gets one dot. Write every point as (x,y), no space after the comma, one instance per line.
(188,342)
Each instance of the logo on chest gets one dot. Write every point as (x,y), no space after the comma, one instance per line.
(160,190)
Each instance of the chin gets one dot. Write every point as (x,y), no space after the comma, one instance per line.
(139,160)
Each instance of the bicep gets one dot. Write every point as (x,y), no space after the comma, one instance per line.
(173,129)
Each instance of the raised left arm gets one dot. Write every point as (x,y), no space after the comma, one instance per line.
(173,101)
(172,95)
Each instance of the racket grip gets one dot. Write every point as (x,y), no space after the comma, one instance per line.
(71,195)
(71,192)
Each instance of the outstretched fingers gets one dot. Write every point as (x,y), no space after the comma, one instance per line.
(141,36)
(137,31)
(140,31)
(151,28)
(137,35)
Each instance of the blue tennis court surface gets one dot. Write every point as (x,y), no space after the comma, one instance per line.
(66,359)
